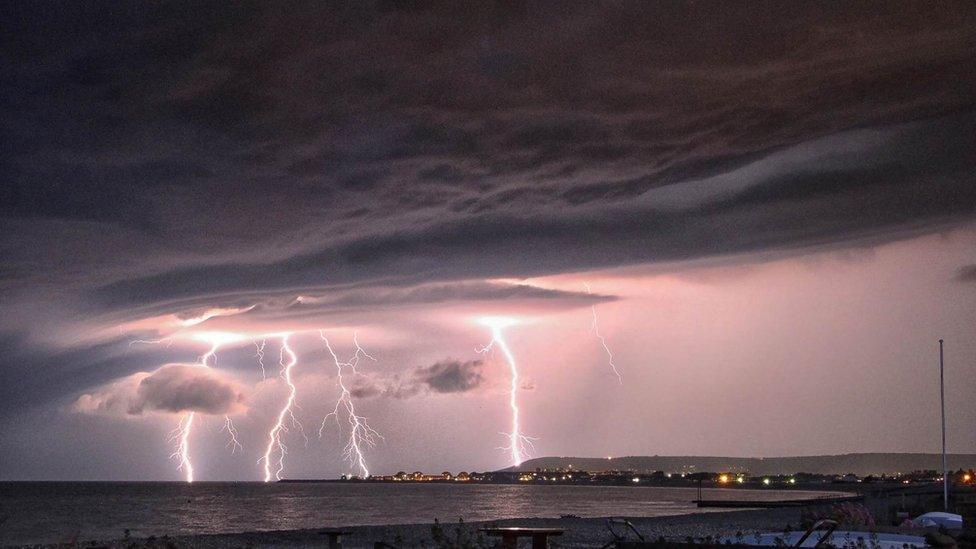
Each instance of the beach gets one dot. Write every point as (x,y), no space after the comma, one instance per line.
(49,513)
(588,531)
(579,532)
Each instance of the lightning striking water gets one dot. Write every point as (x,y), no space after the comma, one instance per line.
(215,342)
(360,433)
(278,429)
(595,329)
(181,435)
(518,444)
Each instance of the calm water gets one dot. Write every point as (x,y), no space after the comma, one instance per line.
(56,511)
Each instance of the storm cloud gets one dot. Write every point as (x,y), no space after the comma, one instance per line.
(172,388)
(316,137)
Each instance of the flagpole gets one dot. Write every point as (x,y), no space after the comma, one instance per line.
(945,470)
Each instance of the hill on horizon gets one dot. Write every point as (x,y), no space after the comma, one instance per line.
(859,464)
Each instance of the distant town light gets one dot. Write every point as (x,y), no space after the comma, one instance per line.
(792,481)
(723,478)
(740,479)
(766,481)
(636,479)
(967,477)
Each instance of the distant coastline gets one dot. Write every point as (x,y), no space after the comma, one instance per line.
(677,471)
(861,464)
(840,472)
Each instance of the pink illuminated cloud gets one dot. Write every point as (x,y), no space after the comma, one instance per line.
(172,388)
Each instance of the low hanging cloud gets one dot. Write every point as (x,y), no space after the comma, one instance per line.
(442,377)
(451,376)
(173,388)
(967,273)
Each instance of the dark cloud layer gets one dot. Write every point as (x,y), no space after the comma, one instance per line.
(921,179)
(176,150)
(171,156)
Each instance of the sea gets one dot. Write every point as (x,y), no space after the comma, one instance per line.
(54,512)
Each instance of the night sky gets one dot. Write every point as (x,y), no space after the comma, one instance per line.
(769,207)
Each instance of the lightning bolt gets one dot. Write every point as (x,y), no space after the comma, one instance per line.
(275,441)
(360,433)
(181,436)
(259,353)
(167,340)
(234,444)
(518,444)
(595,329)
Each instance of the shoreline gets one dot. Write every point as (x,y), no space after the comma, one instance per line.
(580,532)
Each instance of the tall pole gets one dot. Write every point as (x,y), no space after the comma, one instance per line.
(945,470)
